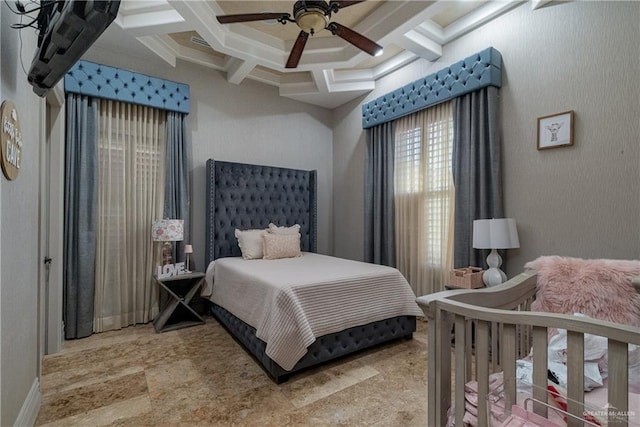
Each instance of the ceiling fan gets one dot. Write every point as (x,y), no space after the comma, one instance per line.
(311,16)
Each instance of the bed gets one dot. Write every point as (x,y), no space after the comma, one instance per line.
(243,196)
(482,337)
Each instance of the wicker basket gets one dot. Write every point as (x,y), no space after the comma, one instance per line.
(466,278)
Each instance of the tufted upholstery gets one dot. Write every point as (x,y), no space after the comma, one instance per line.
(250,196)
(102,81)
(325,348)
(473,73)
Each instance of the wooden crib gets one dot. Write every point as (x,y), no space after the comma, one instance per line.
(475,333)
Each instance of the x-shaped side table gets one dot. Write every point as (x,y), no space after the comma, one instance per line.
(181,289)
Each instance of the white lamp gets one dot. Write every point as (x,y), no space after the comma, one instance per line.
(500,233)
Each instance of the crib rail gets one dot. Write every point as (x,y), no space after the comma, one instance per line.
(487,330)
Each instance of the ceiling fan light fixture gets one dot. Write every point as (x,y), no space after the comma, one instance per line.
(311,16)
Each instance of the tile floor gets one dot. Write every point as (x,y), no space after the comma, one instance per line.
(200,376)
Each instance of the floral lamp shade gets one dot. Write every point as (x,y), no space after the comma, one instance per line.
(167,230)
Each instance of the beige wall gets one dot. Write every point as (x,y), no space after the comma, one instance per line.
(580,201)
(247,123)
(19,231)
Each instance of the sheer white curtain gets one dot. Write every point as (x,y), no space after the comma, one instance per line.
(424,197)
(132,140)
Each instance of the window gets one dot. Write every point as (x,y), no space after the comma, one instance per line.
(132,142)
(424,196)
(408,161)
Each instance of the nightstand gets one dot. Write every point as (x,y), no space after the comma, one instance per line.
(177,312)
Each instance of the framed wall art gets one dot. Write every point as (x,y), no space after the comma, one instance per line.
(555,130)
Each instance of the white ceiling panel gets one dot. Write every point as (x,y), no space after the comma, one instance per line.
(330,72)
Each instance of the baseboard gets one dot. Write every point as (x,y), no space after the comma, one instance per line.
(30,407)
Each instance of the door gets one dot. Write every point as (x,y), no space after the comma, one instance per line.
(51,224)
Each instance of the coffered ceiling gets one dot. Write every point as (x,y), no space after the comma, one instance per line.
(331,71)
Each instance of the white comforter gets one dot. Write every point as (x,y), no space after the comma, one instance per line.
(292,301)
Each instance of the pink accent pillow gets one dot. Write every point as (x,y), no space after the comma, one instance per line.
(276,246)
(294,229)
(598,288)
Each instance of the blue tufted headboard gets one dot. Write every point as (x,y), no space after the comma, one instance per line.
(251,196)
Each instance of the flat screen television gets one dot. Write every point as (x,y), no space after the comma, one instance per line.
(66,30)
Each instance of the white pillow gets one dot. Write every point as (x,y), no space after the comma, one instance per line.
(276,246)
(294,229)
(250,242)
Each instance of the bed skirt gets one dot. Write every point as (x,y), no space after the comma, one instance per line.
(325,348)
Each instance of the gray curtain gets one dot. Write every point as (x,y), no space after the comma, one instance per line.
(477,173)
(176,196)
(379,239)
(80,209)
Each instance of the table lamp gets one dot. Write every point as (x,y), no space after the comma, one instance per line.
(188,250)
(498,233)
(167,231)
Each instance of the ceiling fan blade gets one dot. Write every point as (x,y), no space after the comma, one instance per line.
(296,51)
(341,4)
(356,39)
(248,17)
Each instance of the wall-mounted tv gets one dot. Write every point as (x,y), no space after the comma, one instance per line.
(66,30)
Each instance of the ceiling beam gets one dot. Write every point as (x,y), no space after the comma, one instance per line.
(157,46)
(167,48)
(150,21)
(478,17)
(389,66)
(321,80)
(238,69)
(326,75)
(420,44)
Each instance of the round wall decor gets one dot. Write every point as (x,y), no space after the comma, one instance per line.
(10,140)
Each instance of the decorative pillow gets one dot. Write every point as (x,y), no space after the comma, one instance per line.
(276,246)
(250,242)
(598,288)
(294,229)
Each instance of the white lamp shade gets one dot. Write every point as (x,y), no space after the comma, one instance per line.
(188,249)
(498,233)
(167,230)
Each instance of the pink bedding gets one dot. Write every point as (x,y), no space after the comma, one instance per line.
(596,408)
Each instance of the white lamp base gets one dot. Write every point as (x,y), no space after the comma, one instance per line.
(494,276)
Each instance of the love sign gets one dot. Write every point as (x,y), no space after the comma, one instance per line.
(170,270)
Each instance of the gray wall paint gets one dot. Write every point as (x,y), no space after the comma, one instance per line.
(19,236)
(247,123)
(578,201)
(581,201)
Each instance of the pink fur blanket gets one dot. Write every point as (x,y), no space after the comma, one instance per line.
(598,288)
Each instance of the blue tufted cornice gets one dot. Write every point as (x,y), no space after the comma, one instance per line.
(102,81)
(472,73)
